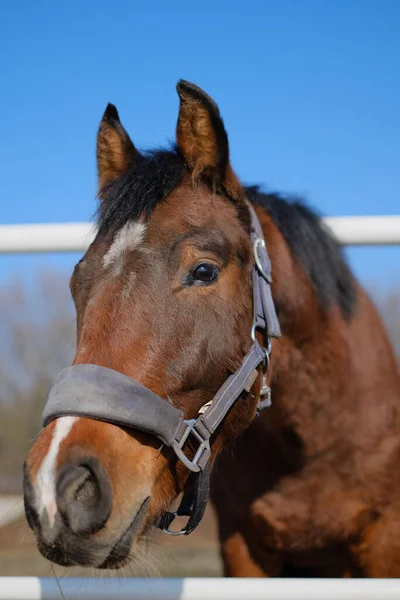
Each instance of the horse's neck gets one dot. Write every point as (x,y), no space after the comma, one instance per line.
(326,375)
(309,364)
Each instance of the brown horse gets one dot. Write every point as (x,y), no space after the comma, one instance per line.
(164,296)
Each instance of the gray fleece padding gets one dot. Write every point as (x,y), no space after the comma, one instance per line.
(108,395)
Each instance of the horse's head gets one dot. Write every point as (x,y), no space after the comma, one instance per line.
(164,296)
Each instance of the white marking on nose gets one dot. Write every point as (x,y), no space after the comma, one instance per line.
(129,238)
(45,482)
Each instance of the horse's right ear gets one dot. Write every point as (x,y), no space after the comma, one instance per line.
(115,150)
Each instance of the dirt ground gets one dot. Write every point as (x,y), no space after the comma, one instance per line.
(196,555)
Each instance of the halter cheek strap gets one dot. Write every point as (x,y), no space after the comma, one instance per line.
(106,395)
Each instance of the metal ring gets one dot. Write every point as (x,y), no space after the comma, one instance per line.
(267,350)
(169,518)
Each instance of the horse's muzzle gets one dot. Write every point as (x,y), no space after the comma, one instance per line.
(83,505)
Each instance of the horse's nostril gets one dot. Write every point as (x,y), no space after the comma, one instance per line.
(86,488)
(84,496)
(77,484)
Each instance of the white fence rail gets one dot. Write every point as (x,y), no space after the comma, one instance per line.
(34,588)
(75,237)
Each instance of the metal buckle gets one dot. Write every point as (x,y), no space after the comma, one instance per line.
(203,449)
(260,243)
(265,390)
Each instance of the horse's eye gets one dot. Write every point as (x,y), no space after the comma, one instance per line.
(205,273)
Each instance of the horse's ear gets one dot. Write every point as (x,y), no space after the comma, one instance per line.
(201,136)
(115,150)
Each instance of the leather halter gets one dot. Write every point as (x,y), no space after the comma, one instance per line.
(92,391)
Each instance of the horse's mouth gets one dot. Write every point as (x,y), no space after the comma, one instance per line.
(120,553)
(69,550)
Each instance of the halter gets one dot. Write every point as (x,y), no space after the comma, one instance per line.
(106,395)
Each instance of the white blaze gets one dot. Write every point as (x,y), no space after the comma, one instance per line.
(45,481)
(129,238)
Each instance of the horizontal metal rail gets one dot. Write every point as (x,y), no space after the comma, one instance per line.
(76,237)
(35,588)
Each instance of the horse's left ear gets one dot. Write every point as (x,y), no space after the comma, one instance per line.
(202,138)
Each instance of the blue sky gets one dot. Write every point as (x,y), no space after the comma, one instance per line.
(309,90)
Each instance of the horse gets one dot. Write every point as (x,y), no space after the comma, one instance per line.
(307,487)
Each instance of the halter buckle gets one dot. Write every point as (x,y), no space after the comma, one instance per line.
(265,391)
(265,394)
(202,453)
(259,243)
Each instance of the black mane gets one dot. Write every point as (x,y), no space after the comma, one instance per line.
(154,176)
(313,246)
(138,191)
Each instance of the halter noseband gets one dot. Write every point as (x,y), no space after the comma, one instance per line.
(92,391)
